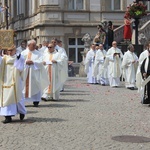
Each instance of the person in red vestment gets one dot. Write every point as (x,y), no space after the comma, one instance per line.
(127,29)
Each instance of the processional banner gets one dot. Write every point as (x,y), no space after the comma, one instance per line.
(6,38)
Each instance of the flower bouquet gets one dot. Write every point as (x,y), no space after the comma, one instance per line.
(136,10)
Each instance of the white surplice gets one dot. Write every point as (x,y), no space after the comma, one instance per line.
(114,66)
(19,50)
(64,70)
(129,68)
(38,79)
(99,71)
(145,81)
(11,86)
(42,50)
(89,65)
(53,72)
(142,56)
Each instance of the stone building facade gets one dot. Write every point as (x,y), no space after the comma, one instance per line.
(67,20)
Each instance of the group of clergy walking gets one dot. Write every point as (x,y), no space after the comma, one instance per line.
(31,75)
(108,67)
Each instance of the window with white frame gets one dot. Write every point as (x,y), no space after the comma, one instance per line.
(75,4)
(75,46)
(113,5)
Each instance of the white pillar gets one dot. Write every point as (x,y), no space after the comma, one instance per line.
(12,10)
(18,7)
(3,14)
(33,6)
(30,7)
(23,6)
(122,4)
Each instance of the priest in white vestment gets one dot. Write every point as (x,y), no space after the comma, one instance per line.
(53,65)
(64,71)
(11,85)
(89,64)
(22,47)
(101,72)
(129,65)
(64,58)
(34,74)
(145,86)
(43,49)
(114,58)
(142,56)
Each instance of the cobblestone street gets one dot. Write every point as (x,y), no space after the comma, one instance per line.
(87,117)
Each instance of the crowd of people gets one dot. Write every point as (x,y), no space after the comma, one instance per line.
(108,67)
(29,75)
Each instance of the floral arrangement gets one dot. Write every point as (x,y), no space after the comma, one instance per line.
(136,10)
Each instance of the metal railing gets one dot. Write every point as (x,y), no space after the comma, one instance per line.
(144,27)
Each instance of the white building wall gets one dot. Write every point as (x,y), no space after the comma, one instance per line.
(95,5)
(58,22)
(49,2)
(129,2)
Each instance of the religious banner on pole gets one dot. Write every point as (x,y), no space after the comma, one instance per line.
(6,38)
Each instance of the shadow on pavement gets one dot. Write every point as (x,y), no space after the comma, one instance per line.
(73,94)
(73,100)
(55,105)
(37,119)
(131,139)
(32,112)
(73,91)
(50,105)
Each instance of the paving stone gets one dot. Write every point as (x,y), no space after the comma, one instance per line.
(86,117)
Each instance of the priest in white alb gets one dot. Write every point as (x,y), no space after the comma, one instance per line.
(53,65)
(35,77)
(89,64)
(11,85)
(64,71)
(142,56)
(113,60)
(129,66)
(145,86)
(101,72)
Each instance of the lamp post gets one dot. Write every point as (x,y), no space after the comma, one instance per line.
(136,22)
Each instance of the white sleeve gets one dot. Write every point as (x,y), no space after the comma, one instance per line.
(19,63)
(0,60)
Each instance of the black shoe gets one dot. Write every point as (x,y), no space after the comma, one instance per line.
(115,86)
(103,84)
(44,99)
(36,104)
(131,88)
(8,119)
(22,116)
